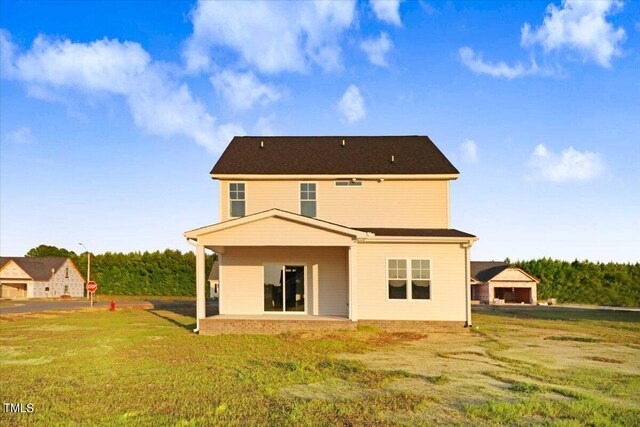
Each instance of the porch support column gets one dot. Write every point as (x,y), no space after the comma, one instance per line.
(353,285)
(201,310)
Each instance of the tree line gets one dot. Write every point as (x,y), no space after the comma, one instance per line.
(586,282)
(172,272)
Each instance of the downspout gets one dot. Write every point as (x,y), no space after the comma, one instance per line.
(197,329)
(467,284)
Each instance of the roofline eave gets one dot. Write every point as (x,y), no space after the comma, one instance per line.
(418,239)
(249,177)
(274,213)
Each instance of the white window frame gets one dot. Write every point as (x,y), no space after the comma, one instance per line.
(237,200)
(406,278)
(409,278)
(308,200)
(284,296)
(350,183)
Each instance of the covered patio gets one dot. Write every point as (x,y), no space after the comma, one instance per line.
(278,272)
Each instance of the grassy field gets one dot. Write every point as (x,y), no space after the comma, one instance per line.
(137,367)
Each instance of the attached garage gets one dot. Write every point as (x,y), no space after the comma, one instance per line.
(13,290)
(498,283)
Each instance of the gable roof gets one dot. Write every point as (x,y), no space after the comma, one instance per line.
(487,270)
(274,213)
(483,271)
(39,268)
(214,274)
(325,155)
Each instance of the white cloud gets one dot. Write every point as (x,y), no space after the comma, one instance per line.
(7,54)
(387,11)
(469,151)
(272,36)
(100,65)
(477,64)
(569,166)
(243,90)
(351,105)
(377,49)
(266,125)
(159,104)
(21,135)
(429,10)
(581,26)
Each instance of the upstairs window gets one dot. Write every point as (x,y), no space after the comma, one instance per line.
(236,199)
(308,199)
(66,272)
(348,183)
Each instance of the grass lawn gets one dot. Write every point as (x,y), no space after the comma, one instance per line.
(138,367)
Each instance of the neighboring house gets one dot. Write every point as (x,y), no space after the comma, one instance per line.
(34,277)
(214,282)
(341,229)
(498,282)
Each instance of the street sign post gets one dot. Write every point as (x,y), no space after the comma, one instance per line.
(92,287)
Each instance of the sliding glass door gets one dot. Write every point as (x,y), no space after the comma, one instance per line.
(283,288)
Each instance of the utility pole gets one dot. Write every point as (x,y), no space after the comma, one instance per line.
(88,266)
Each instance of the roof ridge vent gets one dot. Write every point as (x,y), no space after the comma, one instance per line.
(261,144)
(344,143)
(393,158)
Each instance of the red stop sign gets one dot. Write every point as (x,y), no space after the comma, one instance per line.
(92,286)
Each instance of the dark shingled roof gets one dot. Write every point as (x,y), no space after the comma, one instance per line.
(487,270)
(415,232)
(214,274)
(325,155)
(39,268)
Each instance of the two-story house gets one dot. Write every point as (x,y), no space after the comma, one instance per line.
(341,229)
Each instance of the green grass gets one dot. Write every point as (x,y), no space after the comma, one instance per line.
(138,367)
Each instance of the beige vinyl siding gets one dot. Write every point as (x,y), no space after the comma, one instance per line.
(275,232)
(242,275)
(448,296)
(390,203)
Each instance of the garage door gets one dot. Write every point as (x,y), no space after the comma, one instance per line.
(14,290)
(517,295)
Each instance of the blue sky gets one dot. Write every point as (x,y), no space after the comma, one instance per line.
(113,113)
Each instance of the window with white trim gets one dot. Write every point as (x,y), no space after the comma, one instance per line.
(420,279)
(236,199)
(308,199)
(397,278)
(348,183)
